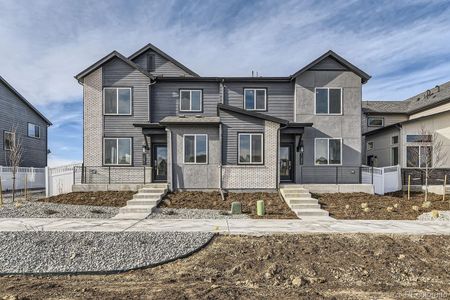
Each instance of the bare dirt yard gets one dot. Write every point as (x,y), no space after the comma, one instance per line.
(393,206)
(276,208)
(336,266)
(111,198)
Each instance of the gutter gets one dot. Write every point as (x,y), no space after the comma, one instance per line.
(222,95)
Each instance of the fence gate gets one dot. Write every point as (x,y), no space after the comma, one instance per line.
(384,180)
(59,180)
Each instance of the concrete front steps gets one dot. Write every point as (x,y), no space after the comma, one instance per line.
(144,202)
(300,201)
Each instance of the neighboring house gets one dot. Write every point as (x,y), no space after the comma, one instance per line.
(392,128)
(30,126)
(221,132)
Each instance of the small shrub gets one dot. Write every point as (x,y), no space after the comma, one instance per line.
(364,205)
(426,204)
(435,214)
(347,206)
(390,209)
(396,205)
(366,209)
(415,208)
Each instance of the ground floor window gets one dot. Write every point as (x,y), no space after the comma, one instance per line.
(250,148)
(195,148)
(328,151)
(419,156)
(117,151)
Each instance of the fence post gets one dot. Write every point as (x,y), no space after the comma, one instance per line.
(47,182)
(372,173)
(109,175)
(144,174)
(73,183)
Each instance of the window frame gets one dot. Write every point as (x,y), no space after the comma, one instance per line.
(328,151)
(28,132)
(117,101)
(190,100)
(117,147)
(195,149)
(367,146)
(392,140)
(254,89)
(5,132)
(426,145)
(421,141)
(377,118)
(328,101)
(250,150)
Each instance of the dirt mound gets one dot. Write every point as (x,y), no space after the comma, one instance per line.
(111,198)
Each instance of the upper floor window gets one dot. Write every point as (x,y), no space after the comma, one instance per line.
(250,148)
(255,99)
(394,140)
(34,131)
(328,151)
(328,101)
(195,148)
(418,138)
(191,100)
(9,139)
(117,101)
(375,121)
(117,151)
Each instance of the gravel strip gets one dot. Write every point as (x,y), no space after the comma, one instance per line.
(443,216)
(182,213)
(51,210)
(66,252)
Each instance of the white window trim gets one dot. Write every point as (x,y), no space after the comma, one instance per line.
(328,102)
(28,132)
(190,101)
(420,145)
(195,149)
(4,139)
(373,144)
(251,157)
(117,154)
(117,101)
(373,117)
(328,151)
(254,99)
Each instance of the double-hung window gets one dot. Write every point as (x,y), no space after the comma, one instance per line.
(191,100)
(117,151)
(255,99)
(117,101)
(328,101)
(328,151)
(34,130)
(250,148)
(9,139)
(195,148)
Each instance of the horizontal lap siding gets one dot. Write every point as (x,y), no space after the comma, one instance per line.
(232,124)
(119,74)
(14,112)
(280,97)
(162,66)
(166,99)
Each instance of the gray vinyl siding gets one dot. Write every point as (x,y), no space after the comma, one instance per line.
(166,99)
(162,66)
(232,124)
(14,112)
(329,64)
(280,97)
(116,73)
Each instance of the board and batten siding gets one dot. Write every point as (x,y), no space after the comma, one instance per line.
(162,66)
(166,99)
(15,113)
(232,124)
(116,73)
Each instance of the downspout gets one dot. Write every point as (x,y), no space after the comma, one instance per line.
(222,95)
(170,155)
(148,144)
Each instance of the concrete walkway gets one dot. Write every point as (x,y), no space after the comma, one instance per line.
(236,226)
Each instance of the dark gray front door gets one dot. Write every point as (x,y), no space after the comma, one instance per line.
(159,162)
(286,162)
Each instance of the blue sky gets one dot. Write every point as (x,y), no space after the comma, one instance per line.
(404,45)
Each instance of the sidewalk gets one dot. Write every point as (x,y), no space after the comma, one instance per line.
(232,226)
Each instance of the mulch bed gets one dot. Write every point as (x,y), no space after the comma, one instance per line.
(276,208)
(110,198)
(378,205)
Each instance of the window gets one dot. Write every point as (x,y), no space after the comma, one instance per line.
(369,145)
(9,138)
(191,100)
(255,99)
(195,148)
(328,151)
(375,121)
(117,151)
(117,101)
(418,138)
(419,156)
(329,101)
(250,148)
(394,140)
(150,62)
(394,156)
(34,131)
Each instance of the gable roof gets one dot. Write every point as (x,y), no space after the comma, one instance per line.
(14,91)
(387,107)
(107,58)
(364,76)
(152,47)
(254,114)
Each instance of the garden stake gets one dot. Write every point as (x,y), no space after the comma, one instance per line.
(26,190)
(409,187)
(445,187)
(1,192)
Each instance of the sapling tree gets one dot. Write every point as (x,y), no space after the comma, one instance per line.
(14,155)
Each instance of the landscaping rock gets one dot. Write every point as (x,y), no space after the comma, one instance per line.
(181,213)
(443,216)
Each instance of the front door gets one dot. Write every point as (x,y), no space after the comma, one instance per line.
(159,162)
(286,162)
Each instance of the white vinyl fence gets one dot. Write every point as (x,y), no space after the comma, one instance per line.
(60,179)
(34,178)
(384,180)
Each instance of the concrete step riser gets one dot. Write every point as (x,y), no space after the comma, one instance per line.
(303,201)
(154,191)
(147,196)
(314,213)
(297,195)
(142,202)
(305,206)
(131,210)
